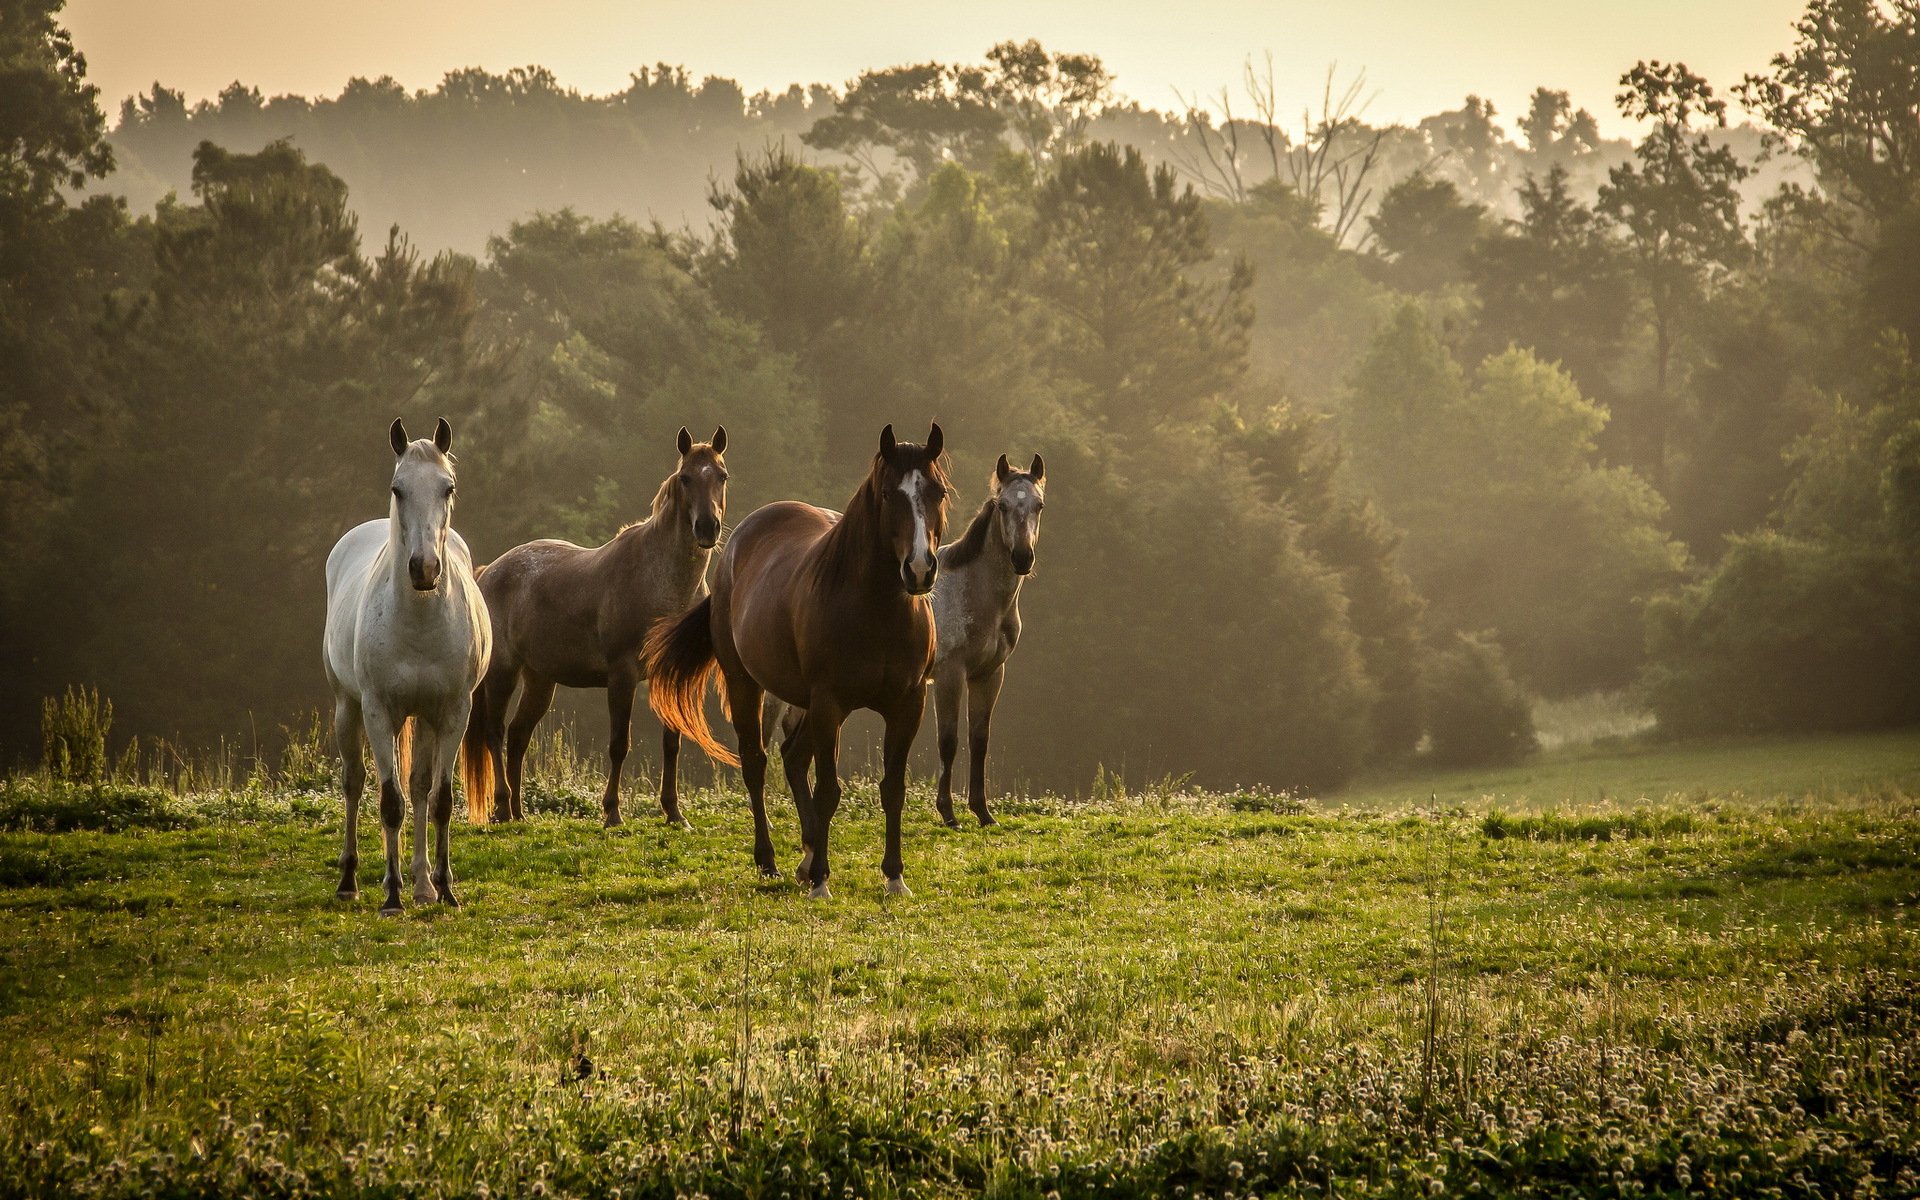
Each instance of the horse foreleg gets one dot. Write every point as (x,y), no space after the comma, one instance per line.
(949,687)
(535,699)
(621,682)
(743,701)
(981,695)
(446,751)
(380,739)
(353,781)
(823,731)
(426,755)
(902,725)
(494,694)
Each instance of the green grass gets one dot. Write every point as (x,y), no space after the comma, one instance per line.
(1526,990)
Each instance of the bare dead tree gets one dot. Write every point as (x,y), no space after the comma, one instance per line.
(1212,159)
(1336,155)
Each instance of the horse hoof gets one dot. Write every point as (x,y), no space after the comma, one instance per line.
(950,821)
(447,898)
(426,895)
(391,908)
(897,887)
(986,820)
(820,892)
(769,871)
(612,819)
(348,894)
(676,821)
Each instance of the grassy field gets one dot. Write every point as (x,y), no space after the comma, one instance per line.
(1645,971)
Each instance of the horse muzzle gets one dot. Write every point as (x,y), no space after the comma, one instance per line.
(706,531)
(917,581)
(424,571)
(1022,562)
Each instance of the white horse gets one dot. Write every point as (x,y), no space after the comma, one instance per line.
(407,640)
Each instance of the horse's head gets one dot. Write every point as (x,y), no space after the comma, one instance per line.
(1018,497)
(911,484)
(423,500)
(700,486)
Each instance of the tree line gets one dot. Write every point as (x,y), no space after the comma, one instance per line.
(1326,481)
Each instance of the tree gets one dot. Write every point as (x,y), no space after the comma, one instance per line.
(1047,100)
(1423,232)
(1554,282)
(1847,97)
(250,383)
(1678,204)
(1116,248)
(1510,524)
(918,114)
(58,260)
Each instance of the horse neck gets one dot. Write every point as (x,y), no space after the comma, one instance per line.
(662,548)
(851,552)
(993,569)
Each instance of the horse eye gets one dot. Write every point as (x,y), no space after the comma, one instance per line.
(723,477)
(396,493)
(686,481)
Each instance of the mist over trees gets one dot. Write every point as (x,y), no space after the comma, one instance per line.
(1354,434)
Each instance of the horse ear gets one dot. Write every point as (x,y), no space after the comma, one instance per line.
(686,440)
(887,443)
(934,440)
(719,439)
(443,436)
(397,434)
(1003,470)
(1039,469)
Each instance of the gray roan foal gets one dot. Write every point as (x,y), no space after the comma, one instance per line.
(976,615)
(407,639)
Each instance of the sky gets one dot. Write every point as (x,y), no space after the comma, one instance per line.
(1420,56)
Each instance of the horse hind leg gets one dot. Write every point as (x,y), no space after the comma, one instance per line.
(981,695)
(535,698)
(424,776)
(743,705)
(949,688)
(796,756)
(353,781)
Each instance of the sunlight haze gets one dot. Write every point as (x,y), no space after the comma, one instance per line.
(1421,56)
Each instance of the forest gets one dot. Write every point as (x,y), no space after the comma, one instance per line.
(1359,439)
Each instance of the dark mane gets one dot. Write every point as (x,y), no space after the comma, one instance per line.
(973,542)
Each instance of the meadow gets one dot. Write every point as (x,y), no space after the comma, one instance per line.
(1625,969)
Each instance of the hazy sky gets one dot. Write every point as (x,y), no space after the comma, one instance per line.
(1421,56)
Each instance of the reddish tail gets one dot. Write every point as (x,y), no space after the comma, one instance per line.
(476,761)
(680,665)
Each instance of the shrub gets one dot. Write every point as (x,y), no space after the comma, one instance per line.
(1788,634)
(73,735)
(1476,714)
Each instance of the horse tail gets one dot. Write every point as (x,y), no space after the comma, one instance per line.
(476,760)
(680,664)
(403,757)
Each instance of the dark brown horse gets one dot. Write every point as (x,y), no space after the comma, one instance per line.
(827,612)
(568,616)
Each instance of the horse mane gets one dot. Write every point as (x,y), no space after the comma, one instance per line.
(973,542)
(852,535)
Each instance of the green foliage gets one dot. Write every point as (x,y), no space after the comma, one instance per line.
(1510,523)
(1423,232)
(59,804)
(1788,634)
(73,735)
(1476,714)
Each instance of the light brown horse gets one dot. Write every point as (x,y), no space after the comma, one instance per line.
(564,615)
(828,612)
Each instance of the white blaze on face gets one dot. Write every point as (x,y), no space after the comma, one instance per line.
(913,485)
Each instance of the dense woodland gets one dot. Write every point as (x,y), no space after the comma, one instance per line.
(1356,437)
